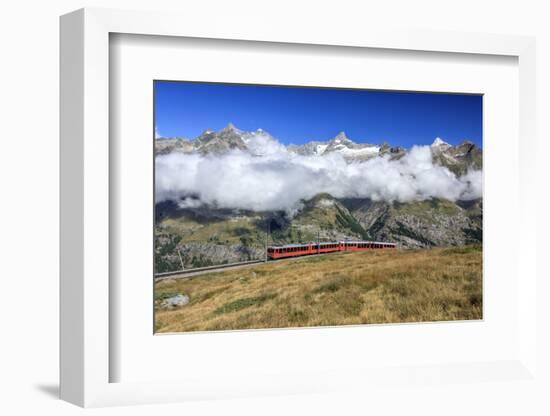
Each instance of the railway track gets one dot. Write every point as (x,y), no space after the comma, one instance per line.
(202,270)
(182,274)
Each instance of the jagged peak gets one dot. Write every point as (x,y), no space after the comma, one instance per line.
(230,128)
(467,142)
(341,137)
(439,142)
(206,135)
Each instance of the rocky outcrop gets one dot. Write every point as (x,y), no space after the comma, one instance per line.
(434,222)
(174,145)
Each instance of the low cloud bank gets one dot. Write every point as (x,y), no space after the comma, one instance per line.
(279,180)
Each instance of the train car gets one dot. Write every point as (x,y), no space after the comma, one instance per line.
(327,247)
(295,250)
(289,250)
(365,245)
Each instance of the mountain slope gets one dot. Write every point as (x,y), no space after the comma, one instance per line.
(434,222)
(326,218)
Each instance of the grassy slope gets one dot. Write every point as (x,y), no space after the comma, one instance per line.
(334,289)
(224,231)
(426,209)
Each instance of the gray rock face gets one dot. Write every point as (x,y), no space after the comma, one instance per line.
(204,253)
(428,223)
(458,159)
(175,145)
(175,301)
(229,138)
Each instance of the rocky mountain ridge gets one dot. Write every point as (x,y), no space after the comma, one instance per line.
(456,158)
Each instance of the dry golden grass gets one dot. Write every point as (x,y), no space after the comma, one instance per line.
(390,286)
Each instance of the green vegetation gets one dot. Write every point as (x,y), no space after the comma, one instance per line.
(348,221)
(164,250)
(425,209)
(242,303)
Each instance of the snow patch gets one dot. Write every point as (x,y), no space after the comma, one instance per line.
(438,142)
(369,150)
(320,149)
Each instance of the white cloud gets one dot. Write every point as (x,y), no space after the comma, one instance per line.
(279,180)
(261,143)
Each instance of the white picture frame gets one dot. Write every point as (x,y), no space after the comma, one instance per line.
(86,356)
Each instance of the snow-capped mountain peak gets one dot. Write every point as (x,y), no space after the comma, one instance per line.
(341,138)
(438,142)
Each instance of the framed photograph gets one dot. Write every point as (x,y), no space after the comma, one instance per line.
(260,230)
(282,212)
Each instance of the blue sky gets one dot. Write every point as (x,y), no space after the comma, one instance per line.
(298,115)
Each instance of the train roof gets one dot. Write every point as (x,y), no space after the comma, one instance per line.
(368,242)
(330,242)
(291,245)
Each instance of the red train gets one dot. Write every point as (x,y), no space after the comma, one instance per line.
(293,250)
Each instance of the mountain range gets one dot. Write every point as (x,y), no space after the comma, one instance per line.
(205,235)
(456,158)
